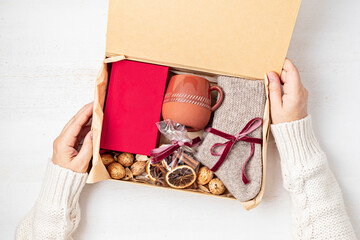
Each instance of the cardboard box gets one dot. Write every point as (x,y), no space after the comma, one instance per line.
(241,38)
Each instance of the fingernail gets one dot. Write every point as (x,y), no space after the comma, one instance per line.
(271,78)
(91,134)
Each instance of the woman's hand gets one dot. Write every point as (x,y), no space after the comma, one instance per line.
(290,105)
(65,148)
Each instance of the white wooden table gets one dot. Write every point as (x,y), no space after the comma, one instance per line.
(49,57)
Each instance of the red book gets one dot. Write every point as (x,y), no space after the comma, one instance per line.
(133,107)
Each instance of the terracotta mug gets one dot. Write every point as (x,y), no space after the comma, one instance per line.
(188,101)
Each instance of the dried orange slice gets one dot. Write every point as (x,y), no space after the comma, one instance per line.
(181,177)
(156,171)
(171,163)
(166,163)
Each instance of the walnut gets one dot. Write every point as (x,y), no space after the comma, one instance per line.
(204,176)
(116,170)
(139,157)
(126,159)
(138,168)
(216,186)
(107,159)
(128,175)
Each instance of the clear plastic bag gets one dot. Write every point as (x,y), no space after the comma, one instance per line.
(177,158)
(177,134)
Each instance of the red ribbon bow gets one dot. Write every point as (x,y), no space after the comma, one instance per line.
(162,152)
(226,147)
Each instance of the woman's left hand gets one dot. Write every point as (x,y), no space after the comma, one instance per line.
(65,153)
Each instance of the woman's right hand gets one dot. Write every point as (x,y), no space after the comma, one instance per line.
(290,105)
(65,153)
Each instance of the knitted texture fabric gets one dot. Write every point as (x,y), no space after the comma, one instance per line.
(56,213)
(318,207)
(243,100)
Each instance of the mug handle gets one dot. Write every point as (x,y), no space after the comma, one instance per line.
(220,98)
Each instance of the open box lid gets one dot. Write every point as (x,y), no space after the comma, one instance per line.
(244,38)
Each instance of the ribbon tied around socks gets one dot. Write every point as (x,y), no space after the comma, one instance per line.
(223,149)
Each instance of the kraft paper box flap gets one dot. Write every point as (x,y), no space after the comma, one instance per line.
(245,38)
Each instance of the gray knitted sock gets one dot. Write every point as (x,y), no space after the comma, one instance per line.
(244,100)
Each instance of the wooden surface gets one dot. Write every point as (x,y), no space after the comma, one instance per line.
(49,57)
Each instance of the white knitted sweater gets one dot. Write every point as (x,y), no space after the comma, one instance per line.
(56,213)
(318,208)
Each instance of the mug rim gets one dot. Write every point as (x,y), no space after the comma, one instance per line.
(189,75)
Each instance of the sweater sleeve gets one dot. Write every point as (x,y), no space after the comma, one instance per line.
(56,213)
(318,209)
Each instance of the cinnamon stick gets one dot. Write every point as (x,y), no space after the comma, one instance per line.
(187,159)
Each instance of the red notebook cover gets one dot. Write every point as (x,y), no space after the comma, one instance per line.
(133,107)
